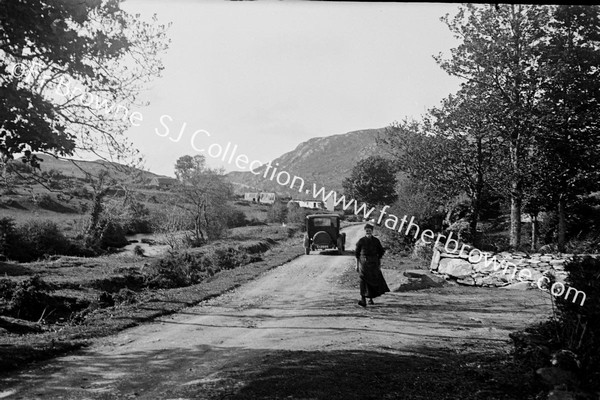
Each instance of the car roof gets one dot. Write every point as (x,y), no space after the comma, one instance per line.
(322,215)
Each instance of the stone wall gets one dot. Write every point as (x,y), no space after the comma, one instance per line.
(475,268)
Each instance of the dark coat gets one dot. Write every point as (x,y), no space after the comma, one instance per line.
(369,252)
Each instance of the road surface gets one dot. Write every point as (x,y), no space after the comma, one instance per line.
(307,306)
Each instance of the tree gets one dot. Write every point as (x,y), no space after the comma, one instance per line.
(569,132)
(70,73)
(472,158)
(203,194)
(372,181)
(499,54)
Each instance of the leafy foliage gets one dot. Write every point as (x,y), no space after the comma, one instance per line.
(203,194)
(372,181)
(63,65)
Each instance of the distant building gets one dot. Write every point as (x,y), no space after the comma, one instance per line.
(253,197)
(313,204)
(162,182)
(267,198)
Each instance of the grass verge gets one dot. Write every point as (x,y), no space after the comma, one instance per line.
(18,350)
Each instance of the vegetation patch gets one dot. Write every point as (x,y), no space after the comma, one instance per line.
(72,300)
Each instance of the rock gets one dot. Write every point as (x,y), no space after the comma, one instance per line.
(492,280)
(435,260)
(535,275)
(563,395)
(455,267)
(518,286)
(415,273)
(546,249)
(483,267)
(419,279)
(553,376)
(468,280)
(557,262)
(546,258)
(565,359)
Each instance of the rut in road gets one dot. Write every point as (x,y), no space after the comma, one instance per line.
(299,306)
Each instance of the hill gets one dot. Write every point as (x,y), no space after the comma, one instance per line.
(325,161)
(76,168)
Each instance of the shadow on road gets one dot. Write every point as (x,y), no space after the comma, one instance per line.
(418,373)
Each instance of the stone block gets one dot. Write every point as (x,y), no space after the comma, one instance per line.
(435,260)
(455,267)
(467,280)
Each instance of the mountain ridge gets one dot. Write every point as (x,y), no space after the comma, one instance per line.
(324,161)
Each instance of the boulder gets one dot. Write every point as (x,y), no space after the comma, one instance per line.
(455,267)
(467,280)
(483,267)
(435,260)
(553,376)
(564,395)
(419,279)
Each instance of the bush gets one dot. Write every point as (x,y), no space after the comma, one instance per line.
(112,235)
(36,239)
(138,251)
(236,218)
(8,236)
(573,328)
(297,215)
(180,269)
(277,213)
(29,299)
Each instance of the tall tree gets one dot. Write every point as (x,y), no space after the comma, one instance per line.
(569,135)
(203,194)
(499,53)
(466,122)
(372,181)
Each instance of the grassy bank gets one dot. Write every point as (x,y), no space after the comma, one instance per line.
(105,295)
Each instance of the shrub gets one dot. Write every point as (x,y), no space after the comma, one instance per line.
(179,269)
(7,288)
(30,299)
(138,251)
(574,327)
(277,213)
(236,218)
(37,239)
(8,236)
(112,235)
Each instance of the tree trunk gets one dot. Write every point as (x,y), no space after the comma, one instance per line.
(562,223)
(477,193)
(515,216)
(534,231)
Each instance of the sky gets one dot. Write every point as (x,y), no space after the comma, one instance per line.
(265,76)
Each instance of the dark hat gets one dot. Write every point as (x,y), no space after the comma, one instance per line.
(368,226)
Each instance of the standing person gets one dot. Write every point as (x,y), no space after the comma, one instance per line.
(368,265)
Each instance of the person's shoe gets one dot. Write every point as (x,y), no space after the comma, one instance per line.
(362,303)
(371,302)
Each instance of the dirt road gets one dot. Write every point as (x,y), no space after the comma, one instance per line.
(296,332)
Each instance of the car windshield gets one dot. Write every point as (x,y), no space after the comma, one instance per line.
(322,222)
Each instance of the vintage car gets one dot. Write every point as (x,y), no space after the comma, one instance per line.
(323,232)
